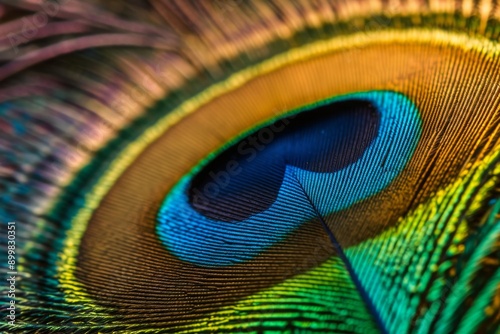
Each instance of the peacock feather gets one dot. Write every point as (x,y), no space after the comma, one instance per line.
(265,166)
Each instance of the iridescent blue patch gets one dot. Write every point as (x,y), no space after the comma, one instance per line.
(248,196)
